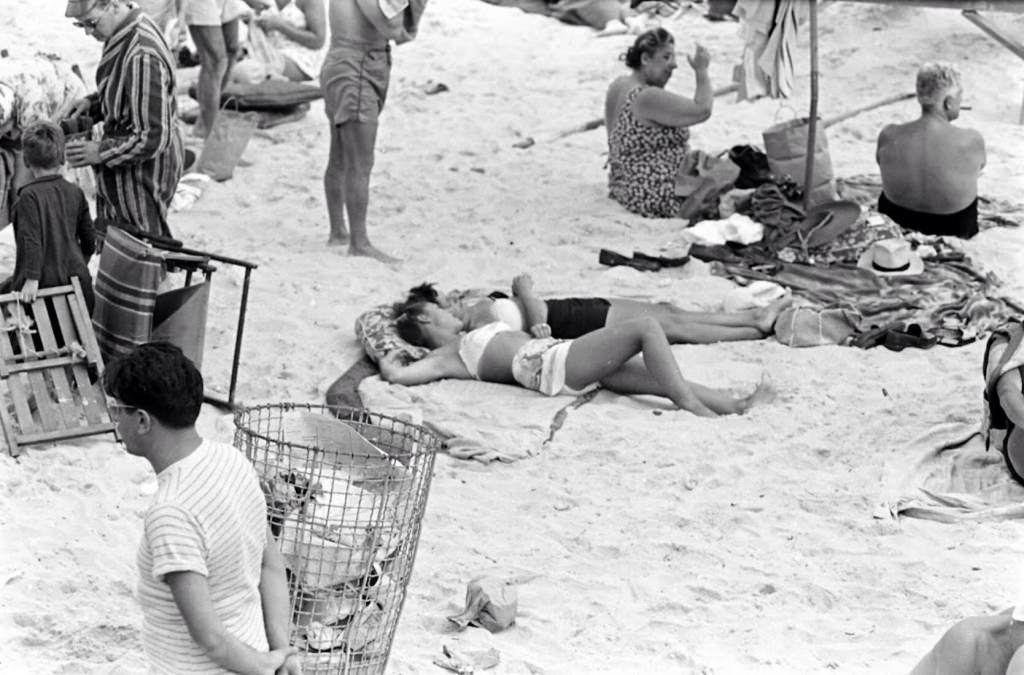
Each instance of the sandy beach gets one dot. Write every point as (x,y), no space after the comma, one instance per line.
(651,541)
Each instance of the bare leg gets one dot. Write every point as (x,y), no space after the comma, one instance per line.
(980,645)
(230,32)
(334,190)
(683,326)
(595,356)
(213,65)
(357,141)
(633,378)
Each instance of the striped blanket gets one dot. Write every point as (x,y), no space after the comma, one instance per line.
(126,288)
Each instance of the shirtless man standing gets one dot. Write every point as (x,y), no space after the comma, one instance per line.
(354,79)
(930,167)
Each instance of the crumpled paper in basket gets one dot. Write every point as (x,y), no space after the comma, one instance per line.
(490,602)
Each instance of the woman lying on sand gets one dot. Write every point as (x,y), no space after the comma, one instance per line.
(648,127)
(496,352)
(568,318)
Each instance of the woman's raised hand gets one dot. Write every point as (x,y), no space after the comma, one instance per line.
(700,59)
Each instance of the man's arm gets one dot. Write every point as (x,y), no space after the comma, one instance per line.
(276,605)
(192,596)
(535,310)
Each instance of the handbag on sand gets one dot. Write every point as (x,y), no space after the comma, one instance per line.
(226,142)
(785,144)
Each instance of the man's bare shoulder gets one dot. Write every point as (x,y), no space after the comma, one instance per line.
(892,130)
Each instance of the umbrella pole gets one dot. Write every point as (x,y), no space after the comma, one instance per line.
(812,122)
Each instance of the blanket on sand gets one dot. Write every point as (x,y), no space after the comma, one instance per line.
(946,475)
(511,424)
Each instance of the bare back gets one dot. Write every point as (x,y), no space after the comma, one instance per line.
(615,99)
(930,166)
(349,25)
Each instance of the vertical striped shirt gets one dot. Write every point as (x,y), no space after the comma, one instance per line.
(208,517)
(141,154)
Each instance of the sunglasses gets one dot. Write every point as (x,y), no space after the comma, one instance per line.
(88,24)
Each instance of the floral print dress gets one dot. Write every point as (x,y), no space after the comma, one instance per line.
(643,162)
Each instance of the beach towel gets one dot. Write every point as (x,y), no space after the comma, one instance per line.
(946,475)
(482,421)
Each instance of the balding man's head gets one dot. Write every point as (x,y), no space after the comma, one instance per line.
(935,83)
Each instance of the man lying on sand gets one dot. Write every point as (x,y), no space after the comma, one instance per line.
(930,167)
(567,318)
(498,353)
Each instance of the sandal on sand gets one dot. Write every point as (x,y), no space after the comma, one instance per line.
(613,259)
(913,336)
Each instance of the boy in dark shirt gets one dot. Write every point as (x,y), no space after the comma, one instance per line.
(52,227)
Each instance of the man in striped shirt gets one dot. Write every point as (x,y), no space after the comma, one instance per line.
(211,578)
(139,160)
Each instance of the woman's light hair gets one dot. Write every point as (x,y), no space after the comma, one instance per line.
(935,81)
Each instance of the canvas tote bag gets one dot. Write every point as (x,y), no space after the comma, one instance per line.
(785,144)
(227,140)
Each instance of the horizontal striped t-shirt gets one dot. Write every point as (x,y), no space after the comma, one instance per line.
(208,517)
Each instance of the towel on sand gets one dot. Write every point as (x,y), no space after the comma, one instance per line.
(478,420)
(946,475)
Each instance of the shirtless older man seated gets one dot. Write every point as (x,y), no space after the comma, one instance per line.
(930,167)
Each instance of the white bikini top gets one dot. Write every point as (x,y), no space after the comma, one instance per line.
(507,310)
(473,344)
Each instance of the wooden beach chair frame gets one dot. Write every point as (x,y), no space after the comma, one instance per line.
(50,391)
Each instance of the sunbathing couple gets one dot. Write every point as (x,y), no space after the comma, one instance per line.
(573,345)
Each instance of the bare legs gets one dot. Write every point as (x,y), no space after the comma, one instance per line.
(601,356)
(682,326)
(217,47)
(347,186)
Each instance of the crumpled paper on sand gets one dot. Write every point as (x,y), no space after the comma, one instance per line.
(491,603)
(946,475)
(482,421)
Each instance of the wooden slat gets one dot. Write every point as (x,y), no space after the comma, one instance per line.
(49,416)
(83,325)
(1015,6)
(28,366)
(44,436)
(10,435)
(95,406)
(19,397)
(56,368)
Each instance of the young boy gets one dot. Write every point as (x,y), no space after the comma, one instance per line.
(52,226)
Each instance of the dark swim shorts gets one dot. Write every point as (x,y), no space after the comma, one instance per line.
(572,317)
(963,223)
(355,80)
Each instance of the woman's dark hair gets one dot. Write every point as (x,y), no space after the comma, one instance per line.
(157,377)
(425,292)
(647,42)
(407,320)
(42,145)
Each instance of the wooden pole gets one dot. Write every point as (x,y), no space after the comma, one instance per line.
(871,106)
(812,122)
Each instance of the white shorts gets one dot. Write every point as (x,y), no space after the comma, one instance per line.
(213,12)
(540,365)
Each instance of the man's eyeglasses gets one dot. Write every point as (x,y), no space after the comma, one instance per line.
(88,24)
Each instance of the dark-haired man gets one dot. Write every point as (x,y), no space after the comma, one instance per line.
(211,579)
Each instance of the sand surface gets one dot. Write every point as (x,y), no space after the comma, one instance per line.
(660,543)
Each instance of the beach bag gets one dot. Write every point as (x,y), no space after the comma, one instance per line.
(995,416)
(227,140)
(785,144)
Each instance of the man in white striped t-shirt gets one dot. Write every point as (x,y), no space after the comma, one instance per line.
(211,578)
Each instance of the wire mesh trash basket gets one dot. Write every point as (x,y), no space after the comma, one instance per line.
(346,491)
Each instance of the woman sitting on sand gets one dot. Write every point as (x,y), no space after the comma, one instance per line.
(296,32)
(496,352)
(568,318)
(648,127)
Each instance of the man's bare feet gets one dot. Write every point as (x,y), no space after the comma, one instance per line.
(370,251)
(337,239)
(765,317)
(762,394)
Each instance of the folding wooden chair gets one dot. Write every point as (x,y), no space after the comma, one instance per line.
(50,369)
